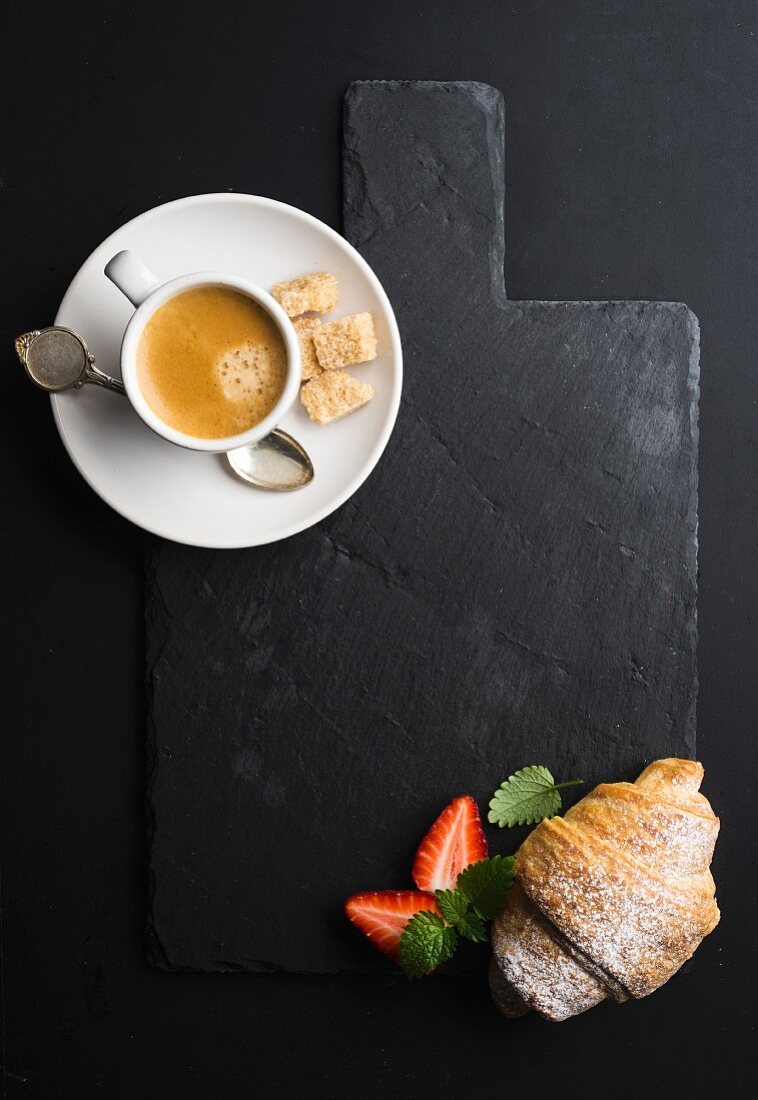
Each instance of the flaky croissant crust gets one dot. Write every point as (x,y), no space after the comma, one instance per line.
(610,899)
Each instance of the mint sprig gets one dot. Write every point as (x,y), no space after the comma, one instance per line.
(480,892)
(527,797)
(472,927)
(452,905)
(425,943)
(486,884)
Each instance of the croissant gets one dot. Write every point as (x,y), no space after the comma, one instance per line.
(609,900)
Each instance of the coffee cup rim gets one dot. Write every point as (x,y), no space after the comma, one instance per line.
(164,293)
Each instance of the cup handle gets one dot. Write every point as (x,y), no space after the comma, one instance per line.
(131,277)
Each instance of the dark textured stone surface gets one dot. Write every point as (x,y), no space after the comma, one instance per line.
(514,584)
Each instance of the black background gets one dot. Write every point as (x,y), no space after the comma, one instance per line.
(632,161)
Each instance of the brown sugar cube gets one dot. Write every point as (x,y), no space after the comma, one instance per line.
(345,342)
(305,327)
(307,294)
(333,395)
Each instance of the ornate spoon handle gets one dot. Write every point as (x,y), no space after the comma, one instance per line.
(57,359)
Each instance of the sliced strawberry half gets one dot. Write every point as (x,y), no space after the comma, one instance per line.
(454,840)
(383,915)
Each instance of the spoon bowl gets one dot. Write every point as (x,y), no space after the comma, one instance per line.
(277,463)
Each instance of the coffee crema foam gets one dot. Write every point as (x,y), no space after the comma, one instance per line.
(211,362)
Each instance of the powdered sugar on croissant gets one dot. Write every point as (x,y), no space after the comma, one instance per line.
(611,899)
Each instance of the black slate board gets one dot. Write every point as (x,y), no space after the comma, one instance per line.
(516,582)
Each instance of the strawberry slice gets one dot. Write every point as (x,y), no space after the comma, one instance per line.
(383,915)
(454,840)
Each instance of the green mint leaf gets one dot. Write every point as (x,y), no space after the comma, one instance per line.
(425,943)
(486,884)
(452,905)
(529,796)
(471,927)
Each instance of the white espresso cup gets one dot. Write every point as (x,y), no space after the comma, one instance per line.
(147,293)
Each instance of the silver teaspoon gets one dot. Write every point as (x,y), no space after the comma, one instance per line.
(277,462)
(58,359)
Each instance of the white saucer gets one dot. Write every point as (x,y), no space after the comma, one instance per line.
(192,497)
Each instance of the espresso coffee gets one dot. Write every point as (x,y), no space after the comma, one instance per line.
(211,362)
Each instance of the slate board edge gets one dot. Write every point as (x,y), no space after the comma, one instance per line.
(155,953)
(492,103)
